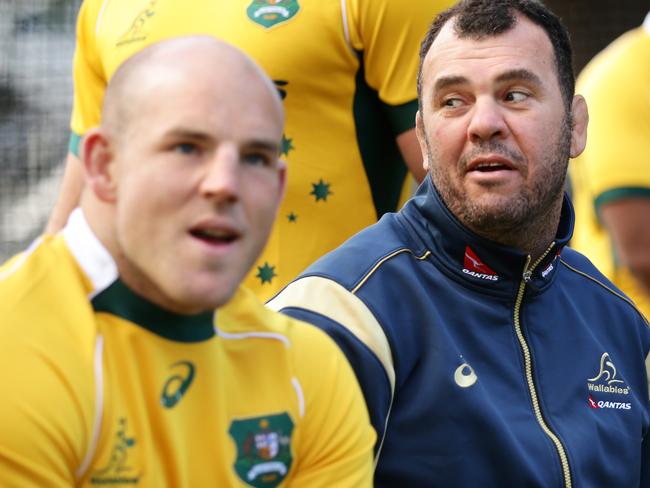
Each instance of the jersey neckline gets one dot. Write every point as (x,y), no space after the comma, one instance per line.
(121,301)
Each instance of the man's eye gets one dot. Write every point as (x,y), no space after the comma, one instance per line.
(256,159)
(452,102)
(516,96)
(185,148)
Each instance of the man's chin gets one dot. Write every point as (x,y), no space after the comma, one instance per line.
(495,216)
(203,295)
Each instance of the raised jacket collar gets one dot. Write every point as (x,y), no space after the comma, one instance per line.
(473,260)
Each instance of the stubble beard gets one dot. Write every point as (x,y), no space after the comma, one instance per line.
(520,220)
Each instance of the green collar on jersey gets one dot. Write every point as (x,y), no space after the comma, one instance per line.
(122,302)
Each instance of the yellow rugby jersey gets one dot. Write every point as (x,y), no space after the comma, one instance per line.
(346,70)
(104,388)
(616,161)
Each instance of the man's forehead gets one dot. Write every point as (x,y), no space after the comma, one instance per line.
(195,92)
(188,65)
(524,43)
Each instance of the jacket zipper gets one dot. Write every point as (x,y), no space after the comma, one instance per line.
(526,276)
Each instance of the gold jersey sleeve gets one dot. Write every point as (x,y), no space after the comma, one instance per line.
(616,160)
(389,34)
(46,421)
(88,73)
(108,389)
(346,71)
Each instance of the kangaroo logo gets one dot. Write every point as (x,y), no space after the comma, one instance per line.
(119,469)
(140,26)
(607,371)
(473,266)
(475,262)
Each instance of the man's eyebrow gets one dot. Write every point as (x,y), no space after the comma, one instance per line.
(510,75)
(262,145)
(519,75)
(183,133)
(199,136)
(447,81)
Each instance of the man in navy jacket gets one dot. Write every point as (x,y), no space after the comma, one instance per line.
(489,354)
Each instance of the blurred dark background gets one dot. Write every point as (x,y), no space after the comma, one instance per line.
(36,48)
(595,23)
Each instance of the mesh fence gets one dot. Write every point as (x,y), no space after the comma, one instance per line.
(36,48)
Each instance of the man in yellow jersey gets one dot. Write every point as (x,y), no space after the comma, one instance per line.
(115,366)
(611,180)
(346,70)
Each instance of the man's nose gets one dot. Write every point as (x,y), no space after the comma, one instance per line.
(488,121)
(221,179)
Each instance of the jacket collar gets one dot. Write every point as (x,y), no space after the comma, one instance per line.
(473,260)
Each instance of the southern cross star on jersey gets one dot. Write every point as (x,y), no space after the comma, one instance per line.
(287,145)
(266,273)
(321,190)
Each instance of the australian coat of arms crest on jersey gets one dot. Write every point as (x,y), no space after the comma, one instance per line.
(269,13)
(263,449)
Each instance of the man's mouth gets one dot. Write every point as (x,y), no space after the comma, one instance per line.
(490,163)
(214,236)
(490,166)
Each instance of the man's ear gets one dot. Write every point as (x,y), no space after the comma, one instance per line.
(282,175)
(97,154)
(580,120)
(419,132)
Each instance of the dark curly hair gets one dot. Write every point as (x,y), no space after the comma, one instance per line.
(477,19)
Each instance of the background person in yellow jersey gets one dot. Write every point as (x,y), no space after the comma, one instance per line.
(611,180)
(119,370)
(346,70)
